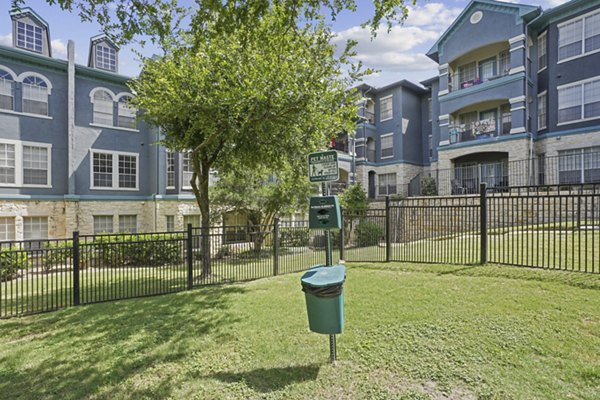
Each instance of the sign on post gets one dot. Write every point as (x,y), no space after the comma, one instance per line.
(323,166)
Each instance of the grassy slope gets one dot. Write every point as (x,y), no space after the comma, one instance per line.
(412,331)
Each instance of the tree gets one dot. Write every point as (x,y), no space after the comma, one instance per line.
(262,195)
(354,199)
(159,19)
(251,97)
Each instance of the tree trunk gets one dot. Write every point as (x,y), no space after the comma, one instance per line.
(200,188)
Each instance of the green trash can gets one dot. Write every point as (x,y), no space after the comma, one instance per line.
(323,288)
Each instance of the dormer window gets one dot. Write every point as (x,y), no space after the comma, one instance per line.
(29,37)
(106,58)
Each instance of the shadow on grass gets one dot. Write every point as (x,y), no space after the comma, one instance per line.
(84,351)
(580,280)
(267,380)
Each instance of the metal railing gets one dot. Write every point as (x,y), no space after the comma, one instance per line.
(478,130)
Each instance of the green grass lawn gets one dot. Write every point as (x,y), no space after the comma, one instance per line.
(412,332)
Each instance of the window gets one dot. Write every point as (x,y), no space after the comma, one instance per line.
(487,69)
(6,90)
(128,223)
(35,228)
(35,95)
(170,170)
(504,62)
(579,36)
(104,166)
(429,109)
(579,165)
(188,171)
(29,37)
(7,228)
(542,111)
(127,114)
(430,147)
(386,111)
(170,222)
(103,108)
(7,163)
(192,219)
(106,58)
(542,51)
(387,184)
(387,146)
(24,163)
(103,224)
(467,73)
(579,101)
(35,165)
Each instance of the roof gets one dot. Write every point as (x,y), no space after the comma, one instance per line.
(562,11)
(526,12)
(429,81)
(402,83)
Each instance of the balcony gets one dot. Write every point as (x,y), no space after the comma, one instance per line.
(482,66)
(478,130)
(455,82)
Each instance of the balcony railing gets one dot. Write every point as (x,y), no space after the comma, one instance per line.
(457,84)
(483,129)
(340,145)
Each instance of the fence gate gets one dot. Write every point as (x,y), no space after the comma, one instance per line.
(436,230)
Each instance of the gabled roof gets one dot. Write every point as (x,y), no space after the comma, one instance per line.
(21,12)
(524,11)
(97,39)
(402,83)
(28,12)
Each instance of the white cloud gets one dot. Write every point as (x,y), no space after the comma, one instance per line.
(6,40)
(59,49)
(435,16)
(555,3)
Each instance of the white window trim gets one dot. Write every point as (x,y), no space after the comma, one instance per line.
(27,74)
(19,163)
(545,34)
(26,114)
(381,147)
(167,168)
(115,171)
(573,84)
(117,128)
(572,20)
(544,93)
(392,109)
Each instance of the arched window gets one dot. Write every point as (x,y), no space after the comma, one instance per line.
(127,114)
(35,95)
(6,90)
(103,108)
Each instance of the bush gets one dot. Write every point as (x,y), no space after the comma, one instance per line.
(11,261)
(57,253)
(368,234)
(294,237)
(428,186)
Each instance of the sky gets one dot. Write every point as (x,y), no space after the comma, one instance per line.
(396,55)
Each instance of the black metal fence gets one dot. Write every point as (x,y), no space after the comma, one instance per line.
(554,227)
(570,168)
(45,275)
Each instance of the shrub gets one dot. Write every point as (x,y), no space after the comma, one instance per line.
(294,237)
(428,186)
(57,253)
(11,261)
(368,234)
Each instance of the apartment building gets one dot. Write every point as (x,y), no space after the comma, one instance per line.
(73,155)
(516,102)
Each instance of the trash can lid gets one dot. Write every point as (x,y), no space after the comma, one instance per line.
(320,275)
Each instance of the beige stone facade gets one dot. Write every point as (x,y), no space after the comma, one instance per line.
(404,173)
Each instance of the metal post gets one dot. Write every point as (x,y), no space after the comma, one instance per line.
(189,257)
(342,233)
(329,262)
(388,231)
(76,293)
(276,246)
(483,222)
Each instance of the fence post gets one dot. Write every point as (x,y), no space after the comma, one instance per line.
(76,292)
(276,246)
(189,257)
(388,231)
(483,222)
(342,234)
